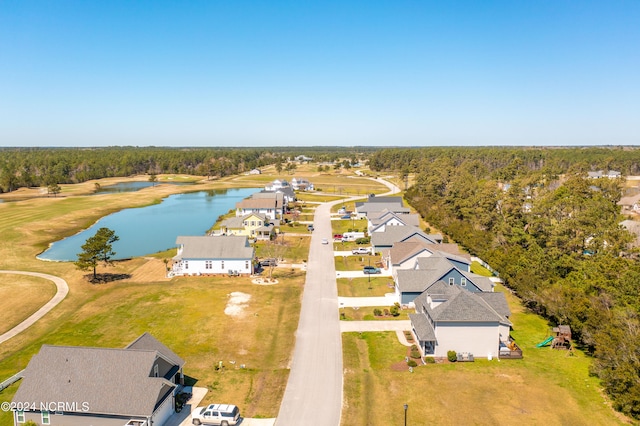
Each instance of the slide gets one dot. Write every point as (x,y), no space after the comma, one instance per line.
(545,343)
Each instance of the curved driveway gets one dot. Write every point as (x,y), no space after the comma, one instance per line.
(314,390)
(63,289)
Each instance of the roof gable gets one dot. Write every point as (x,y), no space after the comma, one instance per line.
(110,381)
(218,247)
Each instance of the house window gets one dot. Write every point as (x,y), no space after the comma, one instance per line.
(155,370)
(253,223)
(208,264)
(20,416)
(463,282)
(451,281)
(246,264)
(45,418)
(222,264)
(186,265)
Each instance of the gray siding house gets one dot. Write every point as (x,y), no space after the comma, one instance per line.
(81,386)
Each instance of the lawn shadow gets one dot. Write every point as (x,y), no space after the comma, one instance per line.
(106,278)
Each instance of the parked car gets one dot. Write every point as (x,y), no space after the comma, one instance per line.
(216,414)
(324,241)
(371,270)
(337,237)
(310,227)
(360,250)
(269,262)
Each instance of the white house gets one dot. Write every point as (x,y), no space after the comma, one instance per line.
(277,184)
(229,254)
(377,222)
(301,184)
(449,318)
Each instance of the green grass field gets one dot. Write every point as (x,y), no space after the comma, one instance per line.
(373,286)
(549,387)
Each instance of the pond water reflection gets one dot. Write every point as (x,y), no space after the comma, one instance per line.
(154,228)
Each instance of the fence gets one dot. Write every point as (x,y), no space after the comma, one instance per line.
(11,380)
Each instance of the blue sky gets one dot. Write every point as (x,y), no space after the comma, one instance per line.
(273,73)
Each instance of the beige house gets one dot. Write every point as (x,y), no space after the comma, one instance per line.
(252,225)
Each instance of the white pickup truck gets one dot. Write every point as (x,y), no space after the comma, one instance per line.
(216,414)
(361,250)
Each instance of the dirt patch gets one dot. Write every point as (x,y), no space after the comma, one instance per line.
(237,304)
(264,281)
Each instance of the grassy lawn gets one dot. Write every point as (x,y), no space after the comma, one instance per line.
(365,313)
(546,387)
(477,268)
(21,296)
(187,314)
(295,248)
(340,226)
(362,287)
(354,263)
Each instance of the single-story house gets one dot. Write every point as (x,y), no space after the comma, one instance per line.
(449,318)
(80,386)
(397,234)
(253,225)
(255,172)
(229,254)
(611,174)
(445,267)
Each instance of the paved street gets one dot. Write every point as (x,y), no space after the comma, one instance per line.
(314,390)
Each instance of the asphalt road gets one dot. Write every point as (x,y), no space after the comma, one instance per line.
(314,390)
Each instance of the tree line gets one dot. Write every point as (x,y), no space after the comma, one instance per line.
(552,233)
(29,167)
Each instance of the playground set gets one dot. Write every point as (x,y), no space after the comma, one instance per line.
(560,340)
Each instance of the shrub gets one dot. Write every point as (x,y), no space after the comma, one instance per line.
(365,240)
(414,347)
(452,356)
(377,312)
(415,354)
(412,363)
(429,360)
(395,311)
(386,313)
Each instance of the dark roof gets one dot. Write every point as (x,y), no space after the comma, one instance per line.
(497,301)
(395,234)
(464,306)
(110,381)
(422,327)
(149,343)
(220,247)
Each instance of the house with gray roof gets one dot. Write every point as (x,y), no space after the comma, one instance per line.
(271,204)
(378,221)
(80,386)
(227,254)
(403,255)
(439,267)
(397,234)
(449,318)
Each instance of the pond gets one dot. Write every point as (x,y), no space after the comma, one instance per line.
(154,228)
(133,186)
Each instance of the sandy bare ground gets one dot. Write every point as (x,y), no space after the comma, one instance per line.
(153,270)
(237,304)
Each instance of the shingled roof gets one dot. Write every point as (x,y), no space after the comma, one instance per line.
(395,234)
(109,381)
(222,247)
